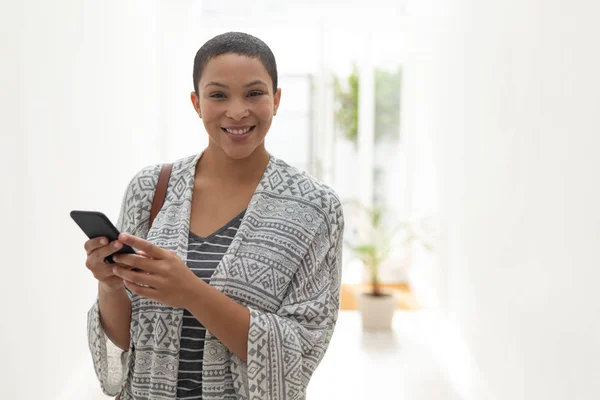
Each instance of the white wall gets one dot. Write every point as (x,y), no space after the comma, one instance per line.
(508,93)
(80,114)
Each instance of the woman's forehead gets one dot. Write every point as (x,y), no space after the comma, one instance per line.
(236,69)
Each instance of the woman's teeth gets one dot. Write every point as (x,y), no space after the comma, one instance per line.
(239,131)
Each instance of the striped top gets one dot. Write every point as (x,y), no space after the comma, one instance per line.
(204,254)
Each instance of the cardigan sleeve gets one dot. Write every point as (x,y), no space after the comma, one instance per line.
(110,362)
(285,347)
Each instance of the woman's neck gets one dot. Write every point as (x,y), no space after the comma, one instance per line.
(215,164)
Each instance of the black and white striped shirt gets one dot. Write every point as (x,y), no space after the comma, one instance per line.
(204,254)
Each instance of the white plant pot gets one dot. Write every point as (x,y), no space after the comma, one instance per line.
(376,311)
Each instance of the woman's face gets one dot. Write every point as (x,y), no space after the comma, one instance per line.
(236,103)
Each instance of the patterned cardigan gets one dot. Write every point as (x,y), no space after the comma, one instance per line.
(284,264)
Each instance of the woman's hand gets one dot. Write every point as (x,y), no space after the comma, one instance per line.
(166,277)
(97,250)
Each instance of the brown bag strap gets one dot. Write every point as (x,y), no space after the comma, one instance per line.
(161,191)
(159,199)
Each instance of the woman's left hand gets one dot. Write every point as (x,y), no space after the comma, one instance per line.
(168,278)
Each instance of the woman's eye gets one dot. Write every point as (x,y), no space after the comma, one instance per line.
(255,93)
(217,96)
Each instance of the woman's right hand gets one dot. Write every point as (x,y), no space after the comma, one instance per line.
(97,250)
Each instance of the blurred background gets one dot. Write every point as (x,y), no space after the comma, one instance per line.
(463,133)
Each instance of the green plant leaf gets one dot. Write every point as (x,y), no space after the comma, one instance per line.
(387,103)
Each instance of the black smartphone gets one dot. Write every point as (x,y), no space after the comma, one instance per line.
(95,224)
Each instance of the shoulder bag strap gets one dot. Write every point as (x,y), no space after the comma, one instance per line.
(161,191)
(159,198)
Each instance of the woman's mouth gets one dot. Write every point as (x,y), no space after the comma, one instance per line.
(239,133)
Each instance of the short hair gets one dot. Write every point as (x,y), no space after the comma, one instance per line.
(235,43)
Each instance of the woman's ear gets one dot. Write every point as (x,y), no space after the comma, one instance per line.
(196,103)
(276,100)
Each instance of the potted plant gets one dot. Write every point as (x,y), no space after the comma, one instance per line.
(372,242)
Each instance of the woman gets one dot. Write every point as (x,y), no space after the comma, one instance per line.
(238,286)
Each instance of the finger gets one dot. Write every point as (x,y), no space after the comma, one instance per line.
(105,271)
(147,292)
(94,244)
(148,248)
(124,266)
(142,253)
(100,254)
(136,277)
(140,262)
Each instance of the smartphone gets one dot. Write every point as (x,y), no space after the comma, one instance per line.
(95,224)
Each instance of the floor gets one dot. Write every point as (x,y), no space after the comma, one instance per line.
(401,364)
(411,362)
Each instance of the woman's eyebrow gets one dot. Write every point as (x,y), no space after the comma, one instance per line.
(221,85)
(256,82)
(216,84)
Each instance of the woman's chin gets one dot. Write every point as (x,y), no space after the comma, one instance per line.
(239,152)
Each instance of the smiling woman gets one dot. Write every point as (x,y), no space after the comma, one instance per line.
(236,104)
(238,283)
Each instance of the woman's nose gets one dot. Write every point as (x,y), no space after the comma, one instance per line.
(237,110)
